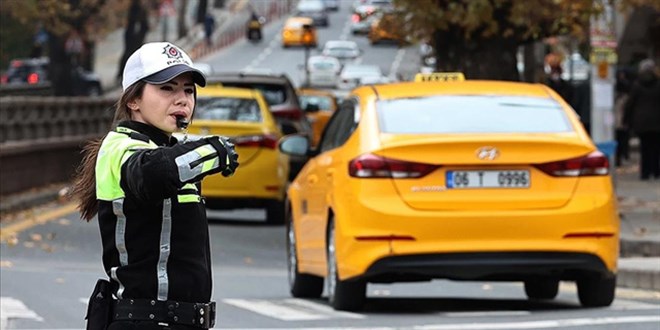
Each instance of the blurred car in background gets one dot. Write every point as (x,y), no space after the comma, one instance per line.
(361,19)
(34,71)
(346,51)
(322,71)
(293,32)
(314,9)
(331,4)
(354,75)
(279,93)
(319,105)
(461,180)
(243,116)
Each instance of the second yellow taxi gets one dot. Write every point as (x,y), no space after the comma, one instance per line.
(461,180)
(243,116)
(293,32)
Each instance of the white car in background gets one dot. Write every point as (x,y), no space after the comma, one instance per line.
(354,75)
(323,71)
(346,51)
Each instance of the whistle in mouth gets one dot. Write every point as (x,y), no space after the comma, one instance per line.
(182,122)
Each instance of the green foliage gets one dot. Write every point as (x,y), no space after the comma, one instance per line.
(521,20)
(13,44)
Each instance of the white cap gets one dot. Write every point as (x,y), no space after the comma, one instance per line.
(157,63)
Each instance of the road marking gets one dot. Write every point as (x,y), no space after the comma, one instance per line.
(397,61)
(11,308)
(40,219)
(487,313)
(290,309)
(545,324)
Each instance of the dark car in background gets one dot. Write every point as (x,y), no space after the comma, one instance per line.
(34,71)
(314,9)
(282,99)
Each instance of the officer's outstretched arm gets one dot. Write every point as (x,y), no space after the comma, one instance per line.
(155,174)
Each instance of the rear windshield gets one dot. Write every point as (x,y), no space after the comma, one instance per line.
(472,114)
(274,94)
(228,108)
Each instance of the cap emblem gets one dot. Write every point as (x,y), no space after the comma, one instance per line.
(172,52)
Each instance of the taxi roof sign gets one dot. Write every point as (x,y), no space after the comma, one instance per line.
(439,76)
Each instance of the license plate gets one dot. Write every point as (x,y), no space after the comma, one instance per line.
(487,179)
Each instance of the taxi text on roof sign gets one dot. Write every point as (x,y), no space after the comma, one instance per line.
(439,76)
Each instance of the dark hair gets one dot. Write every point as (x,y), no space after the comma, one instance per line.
(84,187)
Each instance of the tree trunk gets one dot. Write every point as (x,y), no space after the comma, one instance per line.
(493,58)
(135,33)
(201,11)
(181,20)
(59,69)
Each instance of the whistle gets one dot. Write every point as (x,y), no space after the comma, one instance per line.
(182,122)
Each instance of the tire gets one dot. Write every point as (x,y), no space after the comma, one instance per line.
(275,212)
(596,291)
(542,288)
(300,285)
(342,295)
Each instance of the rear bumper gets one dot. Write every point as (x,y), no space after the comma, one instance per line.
(382,227)
(503,266)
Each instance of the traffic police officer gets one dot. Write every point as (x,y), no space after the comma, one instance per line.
(142,183)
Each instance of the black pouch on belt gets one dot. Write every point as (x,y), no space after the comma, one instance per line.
(99,308)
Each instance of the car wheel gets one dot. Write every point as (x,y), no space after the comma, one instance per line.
(342,295)
(542,288)
(301,285)
(275,212)
(596,291)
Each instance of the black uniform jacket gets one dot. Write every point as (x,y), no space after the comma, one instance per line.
(153,226)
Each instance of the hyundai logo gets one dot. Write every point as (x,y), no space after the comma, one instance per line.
(487,153)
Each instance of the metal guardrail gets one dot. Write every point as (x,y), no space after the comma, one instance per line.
(41,137)
(42,89)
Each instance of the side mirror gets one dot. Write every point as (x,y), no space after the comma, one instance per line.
(295,145)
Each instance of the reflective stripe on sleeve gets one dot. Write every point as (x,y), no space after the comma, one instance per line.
(195,162)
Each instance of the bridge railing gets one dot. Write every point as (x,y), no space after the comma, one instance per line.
(41,137)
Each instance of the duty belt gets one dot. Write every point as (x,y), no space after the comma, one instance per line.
(201,315)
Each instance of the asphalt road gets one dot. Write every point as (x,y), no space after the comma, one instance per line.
(49,270)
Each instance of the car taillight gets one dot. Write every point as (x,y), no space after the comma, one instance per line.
(33,78)
(374,166)
(4,79)
(593,164)
(293,113)
(355,18)
(266,141)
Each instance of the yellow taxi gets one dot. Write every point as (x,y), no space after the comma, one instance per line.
(293,32)
(262,177)
(318,105)
(453,179)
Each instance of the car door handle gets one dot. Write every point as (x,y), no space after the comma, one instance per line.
(330,173)
(312,179)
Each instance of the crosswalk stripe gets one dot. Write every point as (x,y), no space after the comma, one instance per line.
(323,308)
(11,308)
(290,309)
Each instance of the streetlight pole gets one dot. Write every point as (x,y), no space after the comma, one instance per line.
(307,42)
